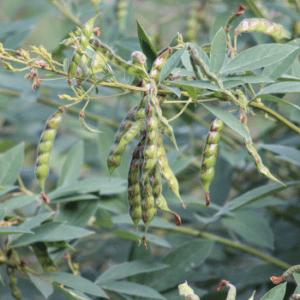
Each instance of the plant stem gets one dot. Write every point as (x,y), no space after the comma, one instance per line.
(274,261)
(275,115)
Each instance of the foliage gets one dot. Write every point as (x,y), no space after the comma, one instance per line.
(76,239)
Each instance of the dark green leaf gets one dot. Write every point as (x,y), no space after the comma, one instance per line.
(171,64)
(42,284)
(281,88)
(199,84)
(232,81)
(146,45)
(18,202)
(10,164)
(77,283)
(252,227)
(71,168)
(277,293)
(132,288)
(258,57)
(173,89)
(127,269)
(218,51)
(229,120)
(278,100)
(14,230)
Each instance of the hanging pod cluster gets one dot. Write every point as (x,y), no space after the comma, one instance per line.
(262,169)
(45,147)
(149,162)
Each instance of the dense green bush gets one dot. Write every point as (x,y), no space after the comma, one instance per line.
(210,76)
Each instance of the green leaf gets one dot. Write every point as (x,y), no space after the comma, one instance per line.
(297,277)
(278,100)
(198,84)
(134,236)
(277,293)
(180,261)
(252,227)
(281,88)
(258,57)
(75,198)
(51,232)
(146,45)
(2,214)
(218,51)
(232,81)
(286,153)
(229,120)
(10,164)
(42,284)
(174,41)
(71,168)
(173,89)
(68,293)
(171,64)
(220,22)
(14,230)
(277,69)
(37,220)
(77,283)
(255,194)
(18,202)
(132,288)
(264,202)
(127,269)
(2,188)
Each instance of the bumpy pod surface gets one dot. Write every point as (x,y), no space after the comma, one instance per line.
(262,169)
(127,134)
(264,26)
(166,170)
(134,196)
(139,59)
(291,270)
(100,47)
(45,146)
(204,68)
(209,156)
(15,292)
(187,292)
(86,34)
(159,63)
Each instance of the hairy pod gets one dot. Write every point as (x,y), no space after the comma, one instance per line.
(45,146)
(291,270)
(166,170)
(159,63)
(84,125)
(263,26)
(139,59)
(129,131)
(204,68)
(209,156)
(262,169)
(100,47)
(187,292)
(86,34)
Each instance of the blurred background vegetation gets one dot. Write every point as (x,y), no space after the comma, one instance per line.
(24,111)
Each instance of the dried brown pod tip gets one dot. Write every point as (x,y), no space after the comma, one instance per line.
(222,284)
(178,219)
(45,198)
(240,10)
(144,242)
(184,205)
(277,280)
(207,199)
(96,30)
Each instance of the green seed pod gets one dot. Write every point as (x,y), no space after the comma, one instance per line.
(139,59)
(45,146)
(187,292)
(87,33)
(16,293)
(262,169)
(291,270)
(100,47)
(122,12)
(159,63)
(263,26)
(209,156)
(204,68)
(166,170)
(121,140)
(83,124)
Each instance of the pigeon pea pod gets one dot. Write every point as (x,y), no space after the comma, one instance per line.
(86,34)
(100,47)
(209,156)
(15,292)
(45,146)
(262,169)
(139,59)
(204,68)
(159,63)
(84,125)
(261,25)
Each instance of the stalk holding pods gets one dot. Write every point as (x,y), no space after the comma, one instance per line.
(45,146)
(86,34)
(263,26)
(100,47)
(209,156)
(262,169)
